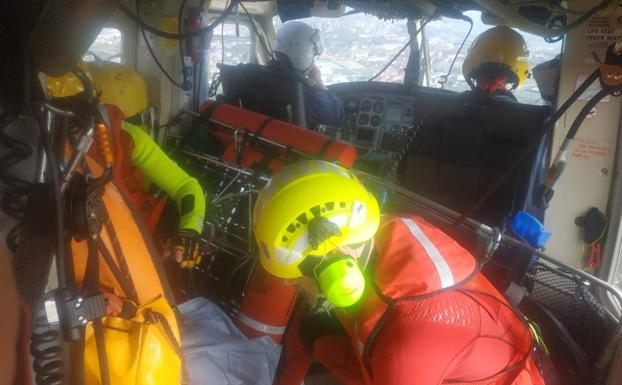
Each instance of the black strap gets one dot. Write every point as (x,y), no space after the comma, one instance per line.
(158,318)
(112,235)
(91,287)
(35,250)
(327,144)
(206,115)
(269,153)
(262,126)
(126,284)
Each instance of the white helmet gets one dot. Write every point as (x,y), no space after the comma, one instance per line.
(300,42)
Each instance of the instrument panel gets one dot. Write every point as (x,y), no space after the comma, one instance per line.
(375,121)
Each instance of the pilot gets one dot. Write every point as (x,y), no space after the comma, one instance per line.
(296,46)
(141,161)
(408,303)
(497,62)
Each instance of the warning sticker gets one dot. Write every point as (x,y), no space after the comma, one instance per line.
(600,32)
(591,90)
(590,149)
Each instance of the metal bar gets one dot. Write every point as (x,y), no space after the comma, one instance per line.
(262,139)
(230,166)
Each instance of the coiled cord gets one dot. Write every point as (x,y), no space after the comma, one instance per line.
(47,353)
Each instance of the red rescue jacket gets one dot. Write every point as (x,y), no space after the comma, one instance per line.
(430,317)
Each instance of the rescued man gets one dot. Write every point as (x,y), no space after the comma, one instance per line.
(407,302)
(297,44)
(496,63)
(139,159)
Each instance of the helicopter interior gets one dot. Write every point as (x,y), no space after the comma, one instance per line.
(480,158)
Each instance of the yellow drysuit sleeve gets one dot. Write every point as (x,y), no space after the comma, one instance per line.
(166,174)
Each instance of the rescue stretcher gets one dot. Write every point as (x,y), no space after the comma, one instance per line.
(579,315)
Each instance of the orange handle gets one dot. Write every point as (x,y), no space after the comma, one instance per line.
(104,144)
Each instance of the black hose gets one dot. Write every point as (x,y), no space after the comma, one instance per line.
(573,98)
(531,146)
(584,112)
(176,36)
(180,16)
(54,174)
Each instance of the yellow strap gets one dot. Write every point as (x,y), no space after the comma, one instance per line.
(166,174)
(536,333)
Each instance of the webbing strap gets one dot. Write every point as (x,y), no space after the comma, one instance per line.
(35,250)
(206,115)
(325,147)
(262,126)
(260,326)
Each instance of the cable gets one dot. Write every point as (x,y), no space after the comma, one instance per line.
(444,78)
(181,41)
(260,37)
(54,173)
(222,39)
(176,36)
(400,51)
(155,59)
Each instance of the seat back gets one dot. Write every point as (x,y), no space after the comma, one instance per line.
(465,142)
(268,91)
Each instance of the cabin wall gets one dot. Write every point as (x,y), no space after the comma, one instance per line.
(586,180)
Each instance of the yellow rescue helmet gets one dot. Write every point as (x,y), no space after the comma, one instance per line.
(300,193)
(120,86)
(67,84)
(115,83)
(498,48)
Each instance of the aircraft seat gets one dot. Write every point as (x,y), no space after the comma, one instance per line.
(464,143)
(264,90)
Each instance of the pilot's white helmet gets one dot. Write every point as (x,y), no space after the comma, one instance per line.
(300,42)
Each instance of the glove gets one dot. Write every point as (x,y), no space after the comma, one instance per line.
(186,249)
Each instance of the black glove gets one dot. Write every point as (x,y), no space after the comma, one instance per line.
(186,249)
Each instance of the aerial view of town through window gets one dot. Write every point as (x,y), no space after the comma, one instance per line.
(359,45)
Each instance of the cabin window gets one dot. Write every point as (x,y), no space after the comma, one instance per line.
(357,46)
(230,44)
(444,38)
(108,46)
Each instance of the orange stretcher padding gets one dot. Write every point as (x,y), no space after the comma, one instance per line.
(314,144)
(267,305)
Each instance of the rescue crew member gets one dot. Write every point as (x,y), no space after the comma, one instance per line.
(296,46)
(142,161)
(497,62)
(412,301)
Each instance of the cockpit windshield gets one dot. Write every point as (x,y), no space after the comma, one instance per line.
(359,45)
